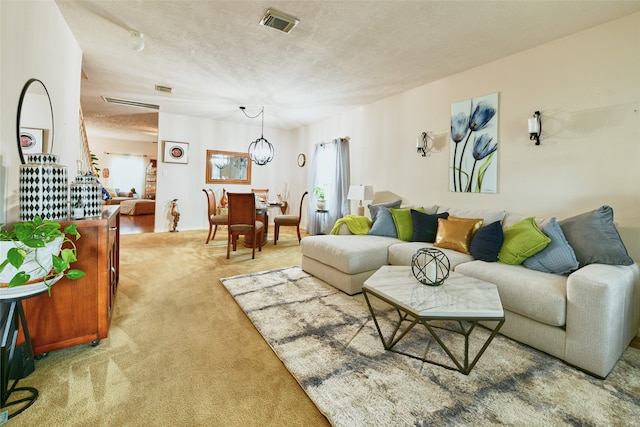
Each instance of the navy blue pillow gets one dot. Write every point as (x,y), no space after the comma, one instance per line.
(425,226)
(487,241)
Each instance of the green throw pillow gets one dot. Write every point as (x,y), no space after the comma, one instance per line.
(522,240)
(404,222)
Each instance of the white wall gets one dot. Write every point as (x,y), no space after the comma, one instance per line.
(36,43)
(587,87)
(185,182)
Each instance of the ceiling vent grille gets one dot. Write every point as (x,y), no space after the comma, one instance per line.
(279,21)
(166,89)
(130,103)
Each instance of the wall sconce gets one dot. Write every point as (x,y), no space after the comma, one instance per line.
(535,127)
(424,143)
(360,193)
(136,40)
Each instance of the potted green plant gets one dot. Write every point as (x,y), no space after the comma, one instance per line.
(32,253)
(319,192)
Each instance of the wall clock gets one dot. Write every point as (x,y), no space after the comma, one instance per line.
(302,159)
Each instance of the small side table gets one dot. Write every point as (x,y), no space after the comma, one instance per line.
(17,362)
(321,220)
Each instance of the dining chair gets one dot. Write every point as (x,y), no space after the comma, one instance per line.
(288,220)
(214,219)
(242,221)
(263,193)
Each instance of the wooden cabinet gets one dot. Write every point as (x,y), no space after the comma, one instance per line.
(79,311)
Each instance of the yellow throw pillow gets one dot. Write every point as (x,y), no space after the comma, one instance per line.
(112,192)
(456,233)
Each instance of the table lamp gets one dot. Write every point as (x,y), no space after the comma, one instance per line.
(360,193)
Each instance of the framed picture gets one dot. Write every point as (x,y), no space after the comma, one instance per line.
(31,140)
(176,152)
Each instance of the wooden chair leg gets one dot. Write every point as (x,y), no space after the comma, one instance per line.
(276,231)
(209,235)
(228,244)
(298,229)
(215,230)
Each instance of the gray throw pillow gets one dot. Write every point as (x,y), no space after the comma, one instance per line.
(595,239)
(373,209)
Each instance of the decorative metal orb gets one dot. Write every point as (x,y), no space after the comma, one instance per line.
(430,266)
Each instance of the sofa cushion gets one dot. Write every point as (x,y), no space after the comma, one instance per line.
(456,233)
(425,225)
(522,240)
(401,254)
(373,209)
(558,257)
(487,241)
(404,222)
(384,225)
(533,294)
(595,239)
(349,254)
(488,217)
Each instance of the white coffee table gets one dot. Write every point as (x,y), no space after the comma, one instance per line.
(463,299)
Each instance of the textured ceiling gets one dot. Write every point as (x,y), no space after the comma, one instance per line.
(342,54)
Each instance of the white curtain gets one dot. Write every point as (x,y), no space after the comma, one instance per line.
(127,172)
(329,170)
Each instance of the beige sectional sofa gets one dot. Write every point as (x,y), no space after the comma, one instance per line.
(586,318)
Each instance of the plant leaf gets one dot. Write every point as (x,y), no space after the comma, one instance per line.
(482,171)
(68,255)
(16,256)
(59,265)
(19,279)
(75,274)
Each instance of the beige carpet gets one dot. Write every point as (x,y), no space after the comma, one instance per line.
(180,351)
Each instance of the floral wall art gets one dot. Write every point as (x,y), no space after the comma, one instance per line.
(474,145)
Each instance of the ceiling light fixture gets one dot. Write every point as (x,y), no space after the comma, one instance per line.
(136,40)
(260,151)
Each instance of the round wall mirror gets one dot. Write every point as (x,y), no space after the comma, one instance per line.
(34,125)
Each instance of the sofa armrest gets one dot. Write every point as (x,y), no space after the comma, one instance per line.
(344,229)
(603,315)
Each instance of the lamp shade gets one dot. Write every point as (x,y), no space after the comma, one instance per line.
(360,192)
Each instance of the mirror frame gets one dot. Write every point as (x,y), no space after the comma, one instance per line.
(19,115)
(211,153)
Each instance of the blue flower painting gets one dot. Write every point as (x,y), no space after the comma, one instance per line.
(474,145)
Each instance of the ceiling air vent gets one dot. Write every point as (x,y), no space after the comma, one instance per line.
(130,103)
(278,20)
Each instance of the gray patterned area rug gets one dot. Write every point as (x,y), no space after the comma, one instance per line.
(329,343)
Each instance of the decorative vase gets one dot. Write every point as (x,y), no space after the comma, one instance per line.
(223,199)
(43,188)
(86,197)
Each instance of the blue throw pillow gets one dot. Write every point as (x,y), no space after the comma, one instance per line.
(487,241)
(558,257)
(384,225)
(425,226)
